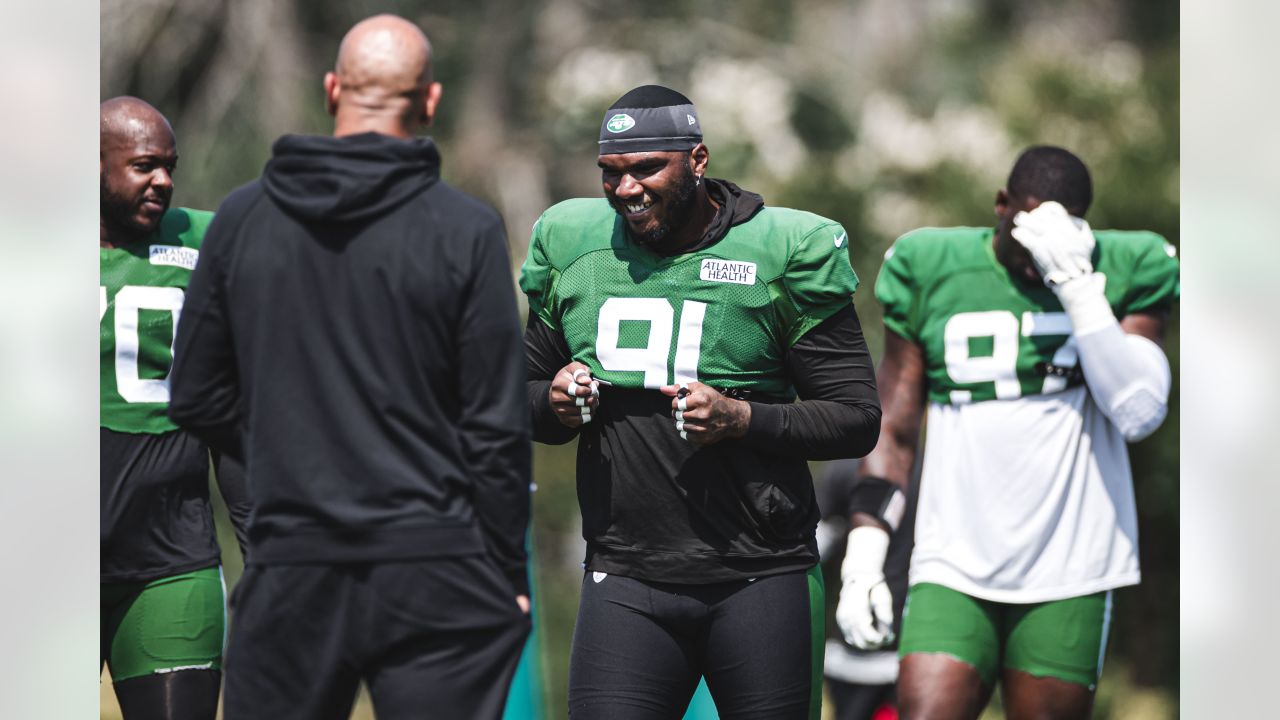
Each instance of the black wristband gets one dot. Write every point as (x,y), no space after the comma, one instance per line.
(879,498)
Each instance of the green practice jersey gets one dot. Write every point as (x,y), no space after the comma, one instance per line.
(139,302)
(724,315)
(987,335)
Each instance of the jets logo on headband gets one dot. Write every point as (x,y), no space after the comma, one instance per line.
(620,123)
(650,118)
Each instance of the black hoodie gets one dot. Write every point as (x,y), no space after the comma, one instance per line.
(351,331)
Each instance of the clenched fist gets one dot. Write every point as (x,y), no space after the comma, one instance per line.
(574,395)
(703,416)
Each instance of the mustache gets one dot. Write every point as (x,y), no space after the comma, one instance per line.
(157,197)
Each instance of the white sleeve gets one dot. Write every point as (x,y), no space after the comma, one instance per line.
(1129,378)
(1128,375)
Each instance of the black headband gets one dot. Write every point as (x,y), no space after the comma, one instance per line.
(647,119)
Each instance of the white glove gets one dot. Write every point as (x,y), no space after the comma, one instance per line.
(1061,246)
(865,611)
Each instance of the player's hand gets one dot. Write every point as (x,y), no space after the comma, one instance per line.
(865,611)
(574,395)
(523,602)
(1061,246)
(703,416)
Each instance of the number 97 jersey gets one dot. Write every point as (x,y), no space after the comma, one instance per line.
(142,286)
(724,315)
(1026,493)
(989,336)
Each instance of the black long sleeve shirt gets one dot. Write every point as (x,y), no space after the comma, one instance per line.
(735,509)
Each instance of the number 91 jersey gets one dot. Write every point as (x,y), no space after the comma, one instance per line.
(724,315)
(142,286)
(989,336)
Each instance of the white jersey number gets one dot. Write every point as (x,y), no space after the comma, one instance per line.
(652,358)
(1001,366)
(129,301)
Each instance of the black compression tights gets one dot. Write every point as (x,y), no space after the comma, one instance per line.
(639,648)
(181,695)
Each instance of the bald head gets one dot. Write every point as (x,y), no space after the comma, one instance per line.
(382,79)
(127,119)
(137,154)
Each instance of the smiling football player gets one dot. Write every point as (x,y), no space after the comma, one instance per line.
(707,314)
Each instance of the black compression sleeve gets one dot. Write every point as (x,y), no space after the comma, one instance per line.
(838,415)
(545,353)
(181,695)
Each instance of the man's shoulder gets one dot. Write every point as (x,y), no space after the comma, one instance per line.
(783,240)
(240,200)
(571,228)
(931,240)
(1141,269)
(459,204)
(929,248)
(186,217)
(184,226)
(1130,246)
(578,213)
(797,223)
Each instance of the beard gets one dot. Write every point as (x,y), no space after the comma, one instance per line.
(119,211)
(679,208)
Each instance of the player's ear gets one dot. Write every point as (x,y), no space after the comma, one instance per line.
(1002,202)
(430,101)
(332,90)
(699,158)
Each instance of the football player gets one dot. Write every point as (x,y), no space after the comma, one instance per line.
(671,325)
(1036,348)
(162,592)
(861,683)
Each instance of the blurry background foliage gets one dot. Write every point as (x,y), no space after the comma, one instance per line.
(885,115)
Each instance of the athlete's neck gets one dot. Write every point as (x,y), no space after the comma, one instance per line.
(357,121)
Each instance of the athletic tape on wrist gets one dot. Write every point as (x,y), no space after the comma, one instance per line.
(879,498)
(1086,303)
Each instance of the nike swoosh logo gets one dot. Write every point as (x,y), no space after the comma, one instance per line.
(840,239)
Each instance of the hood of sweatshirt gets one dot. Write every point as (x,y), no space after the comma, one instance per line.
(736,207)
(349,178)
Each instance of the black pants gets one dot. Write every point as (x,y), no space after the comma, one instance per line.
(640,647)
(433,638)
